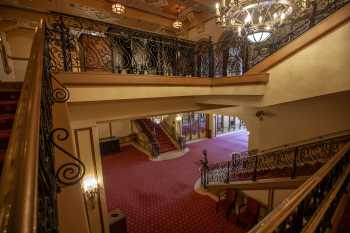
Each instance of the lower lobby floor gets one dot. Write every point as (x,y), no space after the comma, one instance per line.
(159,197)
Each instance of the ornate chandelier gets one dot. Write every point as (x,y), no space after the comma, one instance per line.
(118,7)
(254,19)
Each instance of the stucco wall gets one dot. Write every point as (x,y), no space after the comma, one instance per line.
(320,68)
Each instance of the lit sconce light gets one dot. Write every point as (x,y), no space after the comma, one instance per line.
(178,118)
(90,188)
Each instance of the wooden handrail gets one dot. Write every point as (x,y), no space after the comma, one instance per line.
(19,180)
(113,79)
(286,207)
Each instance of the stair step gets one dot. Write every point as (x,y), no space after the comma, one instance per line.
(5,134)
(9,95)
(6,117)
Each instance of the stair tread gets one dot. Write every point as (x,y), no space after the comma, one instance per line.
(8,102)
(7,116)
(5,133)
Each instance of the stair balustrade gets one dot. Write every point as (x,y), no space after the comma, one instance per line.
(28,186)
(313,206)
(78,44)
(301,160)
(151,144)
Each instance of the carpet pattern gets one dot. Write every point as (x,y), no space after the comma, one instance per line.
(158,197)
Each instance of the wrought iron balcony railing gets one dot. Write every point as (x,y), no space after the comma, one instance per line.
(78,45)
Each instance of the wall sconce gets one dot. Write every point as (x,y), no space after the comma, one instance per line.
(91,189)
(178,117)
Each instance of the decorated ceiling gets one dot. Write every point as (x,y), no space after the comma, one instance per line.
(151,15)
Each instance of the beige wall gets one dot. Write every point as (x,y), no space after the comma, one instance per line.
(117,128)
(295,121)
(305,119)
(87,147)
(320,68)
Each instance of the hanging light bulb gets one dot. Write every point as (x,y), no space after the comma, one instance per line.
(283,16)
(118,8)
(177,24)
(248,19)
(239,30)
(260,19)
(217,9)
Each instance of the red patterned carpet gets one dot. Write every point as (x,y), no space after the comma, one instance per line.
(158,197)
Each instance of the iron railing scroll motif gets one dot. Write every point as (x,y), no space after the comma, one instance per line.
(60,94)
(78,44)
(69,173)
(302,160)
(65,58)
(47,183)
(319,195)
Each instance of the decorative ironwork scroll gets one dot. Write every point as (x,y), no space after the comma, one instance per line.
(302,160)
(60,94)
(71,172)
(78,44)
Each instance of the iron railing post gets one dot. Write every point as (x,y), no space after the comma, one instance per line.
(255,168)
(294,169)
(211,58)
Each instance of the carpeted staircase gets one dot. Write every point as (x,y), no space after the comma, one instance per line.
(9,95)
(164,141)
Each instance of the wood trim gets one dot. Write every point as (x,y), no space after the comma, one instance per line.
(95,172)
(324,27)
(105,78)
(275,183)
(284,209)
(18,197)
(18,58)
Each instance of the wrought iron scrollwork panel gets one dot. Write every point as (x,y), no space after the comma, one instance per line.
(68,173)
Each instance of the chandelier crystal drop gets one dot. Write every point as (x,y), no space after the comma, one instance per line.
(118,8)
(254,19)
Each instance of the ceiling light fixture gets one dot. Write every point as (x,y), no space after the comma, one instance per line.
(177,24)
(118,8)
(254,19)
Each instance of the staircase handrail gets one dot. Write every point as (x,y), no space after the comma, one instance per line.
(289,159)
(299,209)
(19,179)
(154,145)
